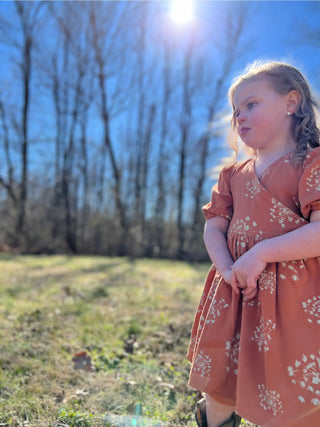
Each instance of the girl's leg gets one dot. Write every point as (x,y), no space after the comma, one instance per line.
(217,413)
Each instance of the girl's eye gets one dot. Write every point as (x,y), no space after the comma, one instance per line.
(251,105)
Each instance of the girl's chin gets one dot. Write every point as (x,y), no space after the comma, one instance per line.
(249,148)
(248,144)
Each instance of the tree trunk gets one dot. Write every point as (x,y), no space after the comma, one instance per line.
(26,78)
(185,130)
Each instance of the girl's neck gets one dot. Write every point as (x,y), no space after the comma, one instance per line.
(265,159)
(262,156)
(273,153)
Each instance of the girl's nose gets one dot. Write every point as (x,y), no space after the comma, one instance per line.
(241,118)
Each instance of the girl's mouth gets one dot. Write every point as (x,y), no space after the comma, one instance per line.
(243,131)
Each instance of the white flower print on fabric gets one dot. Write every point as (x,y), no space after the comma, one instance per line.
(281,214)
(313,180)
(267,281)
(265,173)
(262,334)
(206,297)
(270,400)
(215,310)
(232,352)
(305,372)
(312,308)
(214,285)
(252,188)
(251,302)
(241,245)
(210,294)
(202,364)
(292,268)
(202,302)
(243,228)
(193,343)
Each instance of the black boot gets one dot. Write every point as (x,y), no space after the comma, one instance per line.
(233,421)
(201,417)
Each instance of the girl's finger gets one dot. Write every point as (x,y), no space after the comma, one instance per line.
(250,292)
(234,283)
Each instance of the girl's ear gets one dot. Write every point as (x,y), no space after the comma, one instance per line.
(293,101)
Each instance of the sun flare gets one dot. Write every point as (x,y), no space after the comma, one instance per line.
(181,11)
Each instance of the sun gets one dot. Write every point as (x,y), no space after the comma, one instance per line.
(181,11)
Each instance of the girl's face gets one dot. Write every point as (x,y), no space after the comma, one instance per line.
(261,116)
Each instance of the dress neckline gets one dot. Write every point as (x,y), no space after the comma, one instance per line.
(268,168)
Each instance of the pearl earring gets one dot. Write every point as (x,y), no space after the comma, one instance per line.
(288,113)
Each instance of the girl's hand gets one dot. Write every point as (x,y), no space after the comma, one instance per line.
(226,275)
(246,271)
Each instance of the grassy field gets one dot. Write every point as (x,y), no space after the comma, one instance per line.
(132,319)
(93,341)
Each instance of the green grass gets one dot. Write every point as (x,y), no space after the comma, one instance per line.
(54,307)
(132,317)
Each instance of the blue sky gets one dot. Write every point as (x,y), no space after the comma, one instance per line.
(278,30)
(274,30)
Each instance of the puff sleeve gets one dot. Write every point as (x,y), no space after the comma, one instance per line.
(221,198)
(309,184)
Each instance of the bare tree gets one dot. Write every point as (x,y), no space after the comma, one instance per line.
(7,183)
(141,116)
(137,186)
(146,115)
(161,200)
(185,126)
(28,15)
(69,77)
(107,21)
(231,51)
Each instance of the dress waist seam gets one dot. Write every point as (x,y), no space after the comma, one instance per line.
(256,236)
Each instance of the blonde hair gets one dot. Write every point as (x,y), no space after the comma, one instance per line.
(283,79)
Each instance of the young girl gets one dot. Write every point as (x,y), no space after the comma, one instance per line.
(255,344)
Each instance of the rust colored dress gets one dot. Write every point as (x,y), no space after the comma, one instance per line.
(262,355)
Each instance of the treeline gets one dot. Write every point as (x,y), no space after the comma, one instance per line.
(109,124)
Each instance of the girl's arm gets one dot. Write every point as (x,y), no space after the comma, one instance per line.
(301,243)
(215,238)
